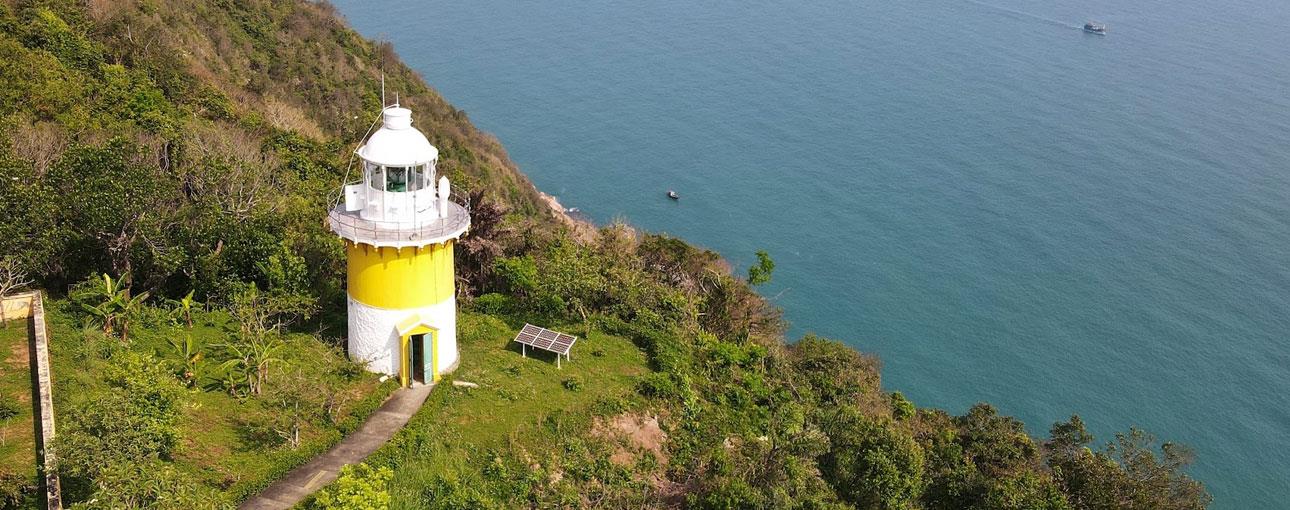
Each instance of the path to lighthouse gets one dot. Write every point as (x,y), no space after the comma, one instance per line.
(317,473)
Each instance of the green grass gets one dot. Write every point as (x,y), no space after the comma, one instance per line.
(17,434)
(517,392)
(524,406)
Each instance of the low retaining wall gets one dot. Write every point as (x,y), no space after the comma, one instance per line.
(30,306)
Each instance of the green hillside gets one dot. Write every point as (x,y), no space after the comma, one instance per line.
(188,151)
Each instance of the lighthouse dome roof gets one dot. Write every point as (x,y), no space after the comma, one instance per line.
(397,143)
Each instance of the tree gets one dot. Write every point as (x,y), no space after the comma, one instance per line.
(995,443)
(480,246)
(871,464)
(777,470)
(834,372)
(29,230)
(761,272)
(359,487)
(1125,474)
(12,278)
(299,399)
(983,461)
(125,206)
(1025,490)
(731,309)
(261,318)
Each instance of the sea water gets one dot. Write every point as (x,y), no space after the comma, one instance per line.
(1001,206)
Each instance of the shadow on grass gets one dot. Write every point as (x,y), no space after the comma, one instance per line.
(255,435)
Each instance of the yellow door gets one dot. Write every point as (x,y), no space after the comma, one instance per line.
(430,356)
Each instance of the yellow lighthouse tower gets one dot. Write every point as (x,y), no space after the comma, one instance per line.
(399,225)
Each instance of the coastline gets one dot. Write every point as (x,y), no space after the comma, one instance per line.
(581,228)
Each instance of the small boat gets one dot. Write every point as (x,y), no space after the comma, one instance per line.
(1095,28)
(672,195)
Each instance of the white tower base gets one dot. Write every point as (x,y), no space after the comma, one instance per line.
(373,335)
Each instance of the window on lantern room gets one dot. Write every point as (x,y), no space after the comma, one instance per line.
(418,178)
(399,178)
(396,178)
(374,175)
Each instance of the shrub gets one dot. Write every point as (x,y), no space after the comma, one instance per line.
(15,489)
(8,407)
(837,373)
(901,407)
(149,484)
(493,304)
(572,383)
(659,385)
(359,487)
(133,420)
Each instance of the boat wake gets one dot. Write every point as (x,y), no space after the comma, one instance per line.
(1025,15)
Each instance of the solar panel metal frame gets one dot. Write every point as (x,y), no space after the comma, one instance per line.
(545,339)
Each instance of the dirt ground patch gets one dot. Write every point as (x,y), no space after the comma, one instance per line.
(641,431)
(19,356)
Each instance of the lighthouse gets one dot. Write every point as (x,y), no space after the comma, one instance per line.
(399,224)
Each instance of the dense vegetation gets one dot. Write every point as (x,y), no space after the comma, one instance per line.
(164,167)
(749,421)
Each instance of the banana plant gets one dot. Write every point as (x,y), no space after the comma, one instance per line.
(183,308)
(231,378)
(111,304)
(131,306)
(252,359)
(191,356)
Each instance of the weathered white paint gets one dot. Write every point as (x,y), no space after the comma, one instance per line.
(373,337)
(355,198)
(445,191)
(397,143)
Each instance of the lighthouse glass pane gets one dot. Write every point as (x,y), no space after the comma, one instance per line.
(418,179)
(396,178)
(374,176)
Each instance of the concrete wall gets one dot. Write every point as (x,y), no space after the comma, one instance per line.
(374,338)
(30,306)
(15,307)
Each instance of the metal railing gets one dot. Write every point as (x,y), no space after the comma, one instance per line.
(350,225)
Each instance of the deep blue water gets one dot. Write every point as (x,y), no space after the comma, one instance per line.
(1003,207)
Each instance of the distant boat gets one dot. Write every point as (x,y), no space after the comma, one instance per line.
(672,195)
(1095,28)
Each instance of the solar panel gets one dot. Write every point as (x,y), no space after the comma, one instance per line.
(545,339)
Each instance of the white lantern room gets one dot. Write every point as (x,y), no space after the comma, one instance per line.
(398,166)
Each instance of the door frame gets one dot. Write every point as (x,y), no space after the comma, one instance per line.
(405,354)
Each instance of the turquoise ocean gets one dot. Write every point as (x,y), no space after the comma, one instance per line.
(1002,207)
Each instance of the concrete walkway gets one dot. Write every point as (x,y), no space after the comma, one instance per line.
(317,473)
